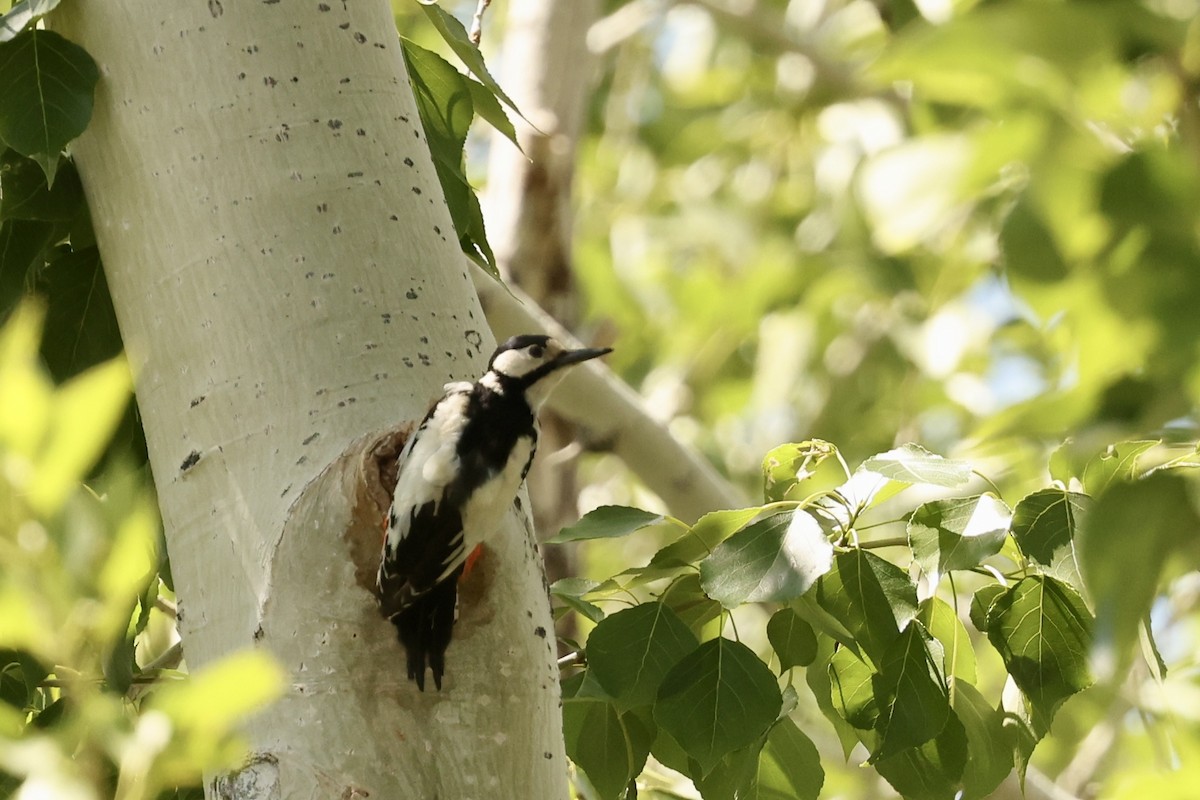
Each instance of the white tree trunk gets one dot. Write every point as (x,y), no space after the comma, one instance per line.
(288,287)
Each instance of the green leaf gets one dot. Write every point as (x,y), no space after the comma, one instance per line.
(1117,463)
(852,689)
(784,765)
(631,651)
(487,107)
(20,675)
(789,465)
(943,624)
(957,533)
(1044,525)
(696,609)
(820,681)
(792,639)
(609,746)
(446,108)
(988,741)
(47,85)
(914,698)
(455,35)
(912,463)
(1124,544)
(775,559)
(981,605)
(571,590)
(871,597)
(698,543)
(1043,631)
(25,195)
(730,777)
(1029,248)
(719,698)
(789,766)
(607,522)
(81,324)
(931,771)
(22,243)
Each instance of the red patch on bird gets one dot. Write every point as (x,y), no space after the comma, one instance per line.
(469,564)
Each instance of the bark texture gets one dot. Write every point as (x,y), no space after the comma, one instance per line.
(288,288)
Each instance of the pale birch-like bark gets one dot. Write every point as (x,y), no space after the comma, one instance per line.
(288,286)
(546,69)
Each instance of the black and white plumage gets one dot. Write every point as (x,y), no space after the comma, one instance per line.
(458,475)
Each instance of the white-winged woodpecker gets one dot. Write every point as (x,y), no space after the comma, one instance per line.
(459,473)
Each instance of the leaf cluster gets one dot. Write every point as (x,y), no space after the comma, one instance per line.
(881,641)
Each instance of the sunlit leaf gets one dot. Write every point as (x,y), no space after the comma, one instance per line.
(823,686)
(630,651)
(487,107)
(218,696)
(455,35)
(719,698)
(775,559)
(914,464)
(86,411)
(943,624)
(26,403)
(607,522)
(1117,463)
(699,542)
(957,533)
(789,465)
(852,689)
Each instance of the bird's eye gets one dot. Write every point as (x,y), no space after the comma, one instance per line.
(537,351)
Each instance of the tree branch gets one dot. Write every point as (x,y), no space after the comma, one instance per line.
(612,414)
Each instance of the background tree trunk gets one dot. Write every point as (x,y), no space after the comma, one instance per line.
(548,73)
(287,283)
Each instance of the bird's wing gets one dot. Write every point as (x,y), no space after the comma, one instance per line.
(424,540)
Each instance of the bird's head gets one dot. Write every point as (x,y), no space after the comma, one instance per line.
(534,364)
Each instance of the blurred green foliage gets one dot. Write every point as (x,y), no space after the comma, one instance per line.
(92,704)
(962,223)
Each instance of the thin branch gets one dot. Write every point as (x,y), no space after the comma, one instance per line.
(571,659)
(477,22)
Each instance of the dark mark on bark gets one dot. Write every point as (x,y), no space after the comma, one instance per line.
(193,458)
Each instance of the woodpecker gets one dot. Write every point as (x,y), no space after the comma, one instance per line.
(459,473)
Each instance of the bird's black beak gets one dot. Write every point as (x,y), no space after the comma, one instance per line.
(583,354)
